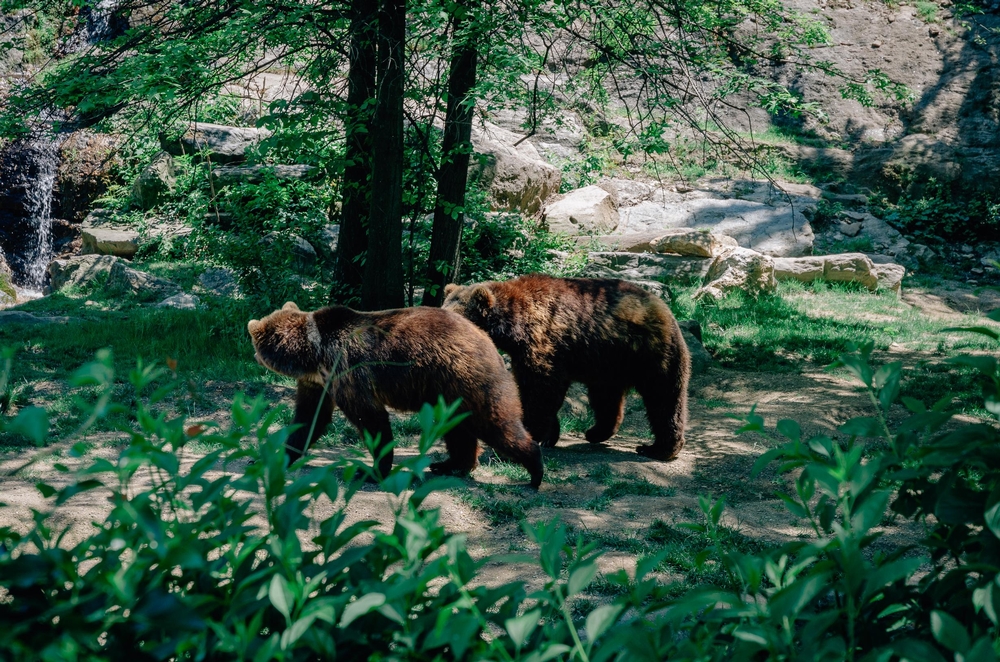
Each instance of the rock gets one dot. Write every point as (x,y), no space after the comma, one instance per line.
(330,236)
(915,256)
(182,301)
(156,181)
(120,242)
(850,229)
(86,170)
(79,271)
(217,142)
(646,266)
(588,210)
(779,230)
(229,175)
(514,176)
(843,267)
(850,268)
(740,269)
(124,279)
(701,360)
(300,253)
(219,281)
(21,317)
(66,237)
(700,243)
(846,198)
(628,191)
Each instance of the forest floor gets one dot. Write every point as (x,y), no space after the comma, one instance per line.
(629,505)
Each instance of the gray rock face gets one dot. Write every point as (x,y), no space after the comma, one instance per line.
(646,266)
(510,170)
(220,143)
(303,255)
(588,210)
(79,270)
(182,301)
(779,230)
(220,282)
(21,317)
(156,181)
(120,242)
(330,234)
(229,175)
(124,279)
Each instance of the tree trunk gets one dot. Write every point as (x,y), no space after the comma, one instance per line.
(456,147)
(383,276)
(356,190)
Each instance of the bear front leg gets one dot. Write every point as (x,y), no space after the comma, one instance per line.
(541,400)
(463,452)
(374,420)
(313,412)
(608,404)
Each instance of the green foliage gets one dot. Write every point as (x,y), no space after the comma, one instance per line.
(931,209)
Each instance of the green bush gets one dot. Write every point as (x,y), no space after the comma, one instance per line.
(204,558)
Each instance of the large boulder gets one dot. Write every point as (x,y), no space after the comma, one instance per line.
(588,210)
(155,182)
(79,271)
(778,229)
(700,243)
(740,269)
(646,266)
(873,272)
(120,242)
(126,280)
(216,142)
(510,170)
(255,174)
(87,167)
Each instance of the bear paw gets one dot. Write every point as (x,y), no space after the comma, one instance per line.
(595,437)
(655,452)
(447,468)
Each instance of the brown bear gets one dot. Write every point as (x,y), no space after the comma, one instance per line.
(611,335)
(399,359)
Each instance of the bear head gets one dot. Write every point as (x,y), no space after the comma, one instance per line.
(476,302)
(287,342)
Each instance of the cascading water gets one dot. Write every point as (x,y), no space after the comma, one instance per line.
(28,170)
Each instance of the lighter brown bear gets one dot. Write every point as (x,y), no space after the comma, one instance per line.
(611,335)
(399,359)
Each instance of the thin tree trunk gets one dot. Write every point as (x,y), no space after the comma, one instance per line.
(356,191)
(383,276)
(456,147)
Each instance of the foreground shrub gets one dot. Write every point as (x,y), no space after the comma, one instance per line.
(205,557)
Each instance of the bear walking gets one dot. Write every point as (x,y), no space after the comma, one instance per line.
(399,359)
(611,335)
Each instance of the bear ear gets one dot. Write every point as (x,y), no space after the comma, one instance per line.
(483,297)
(252,326)
(290,305)
(451,287)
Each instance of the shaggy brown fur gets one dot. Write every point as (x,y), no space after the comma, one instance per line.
(399,359)
(609,334)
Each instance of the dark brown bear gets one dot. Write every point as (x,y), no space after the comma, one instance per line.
(399,359)
(609,334)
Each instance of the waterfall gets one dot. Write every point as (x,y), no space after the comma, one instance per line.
(28,168)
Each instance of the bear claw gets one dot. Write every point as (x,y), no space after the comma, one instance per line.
(654,452)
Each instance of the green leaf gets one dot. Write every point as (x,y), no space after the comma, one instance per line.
(360,607)
(281,595)
(46,489)
(581,577)
(790,429)
(992,516)
(949,632)
(294,633)
(789,601)
(599,620)
(862,426)
(521,627)
(982,651)
(31,422)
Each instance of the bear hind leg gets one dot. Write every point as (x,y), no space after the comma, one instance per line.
(513,443)
(608,404)
(666,409)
